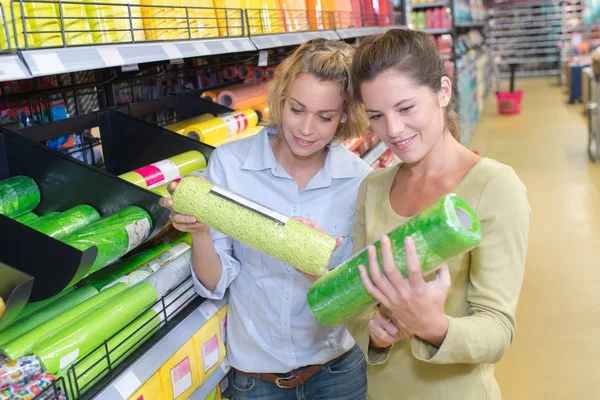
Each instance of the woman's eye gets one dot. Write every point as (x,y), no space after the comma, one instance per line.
(376,117)
(406,109)
(325,119)
(296,111)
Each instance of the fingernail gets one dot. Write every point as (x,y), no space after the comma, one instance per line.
(384,239)
(408,240)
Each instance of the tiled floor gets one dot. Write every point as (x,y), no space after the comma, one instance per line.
(556,354)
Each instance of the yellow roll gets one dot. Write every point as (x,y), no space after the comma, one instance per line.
(218,129)
(101,22)
(247,133)
(165,171)
(44,18)
(180,126)
(77,27)
(155,19)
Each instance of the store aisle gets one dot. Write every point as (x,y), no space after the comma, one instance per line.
(557,350)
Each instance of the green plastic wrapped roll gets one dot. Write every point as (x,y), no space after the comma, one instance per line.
(27,218)
(68,221)
(18,195)
(33,307)
(47,313)
(95,367)
(443,231)
(73,341)
(23,344)
(114,236)
(105,276)
(288,240)
(47,216)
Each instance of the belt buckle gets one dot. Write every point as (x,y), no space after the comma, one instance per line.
(279,382)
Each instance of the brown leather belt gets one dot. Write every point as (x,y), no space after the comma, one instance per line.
(294,379)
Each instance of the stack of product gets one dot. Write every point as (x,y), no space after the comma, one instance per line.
(432,18)
(24,379)
(248,73)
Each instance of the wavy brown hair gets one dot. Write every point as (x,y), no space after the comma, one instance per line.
(408,52)
(328,61)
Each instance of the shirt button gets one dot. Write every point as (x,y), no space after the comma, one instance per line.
(289,269)
(286,327)
(288,349)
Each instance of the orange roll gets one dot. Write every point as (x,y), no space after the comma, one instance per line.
(238,93)
(263,111)
(257,73)
(251,102)
(270,73)
(229,73)
(244,71)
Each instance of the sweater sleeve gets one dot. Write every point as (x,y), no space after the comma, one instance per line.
(496,274)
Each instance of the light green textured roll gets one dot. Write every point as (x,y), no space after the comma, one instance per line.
(47,216)
(33,307)
(73,341)
(18,195)
(114,236)
(68,221)
(95,366)
(23,344)
(27,218)
(45,314)
(443,231)
(288,240)
(107,275)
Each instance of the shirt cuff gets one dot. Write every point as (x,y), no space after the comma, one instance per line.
(219,291)
(427,352)
(376,356)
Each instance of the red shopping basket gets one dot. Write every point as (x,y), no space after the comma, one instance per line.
(509,102)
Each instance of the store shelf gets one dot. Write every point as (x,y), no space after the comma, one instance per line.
(351,33)
(437,31)
(12,68)
(132,377)
(73,59)
(531,60)
(522,52)
(420,6)
(290,39)
(528,74)
(472,24)
(215,379)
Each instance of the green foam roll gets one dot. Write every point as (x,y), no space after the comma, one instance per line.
(94,367)
(45,314)
(114,236)
(27,218)
(33,307)
(288,240)
(441,232)
(73,341)
(18,195)
(106,276)
(68,222)
(23,344)
(47,216)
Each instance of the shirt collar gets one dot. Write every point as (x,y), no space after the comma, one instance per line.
(339,164)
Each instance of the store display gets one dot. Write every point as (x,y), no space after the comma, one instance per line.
(17,371)
(180,126)
(178,375)
(114,236)
(23,344)
(68,221)
(233,95)
(294,13)
(165,171)
(73,341)
(444,230)
(209,348)
(33,389)
(219,128)
(277,235)
(18,195)
(23,325)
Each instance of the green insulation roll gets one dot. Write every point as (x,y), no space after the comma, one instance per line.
(27,218)
(73,341)
(68,221)
(23,344)
(94,367)
(441,232)
(18,195)
(288,240)
(47,216)
(106,276)
(33,307)
(114,236)
(47,313)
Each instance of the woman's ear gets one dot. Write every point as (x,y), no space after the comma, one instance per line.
(343,120)
(445,93)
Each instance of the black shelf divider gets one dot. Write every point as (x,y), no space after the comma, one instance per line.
(15,289)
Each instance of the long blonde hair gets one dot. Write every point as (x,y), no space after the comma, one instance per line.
(328,61)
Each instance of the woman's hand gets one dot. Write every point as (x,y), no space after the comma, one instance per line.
(384,332)
(315,225)
(412,301)
(181,222)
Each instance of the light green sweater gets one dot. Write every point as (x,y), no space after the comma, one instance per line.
(482,300)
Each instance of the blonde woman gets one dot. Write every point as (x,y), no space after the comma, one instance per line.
(297,167)
(435,338)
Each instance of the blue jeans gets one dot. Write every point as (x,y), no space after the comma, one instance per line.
(346,379)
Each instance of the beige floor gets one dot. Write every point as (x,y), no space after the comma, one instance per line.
(556,354)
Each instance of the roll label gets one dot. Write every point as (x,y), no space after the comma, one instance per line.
(181,377)
(137,232)
(159,173)
(210,353)
(250,205)
(235,122)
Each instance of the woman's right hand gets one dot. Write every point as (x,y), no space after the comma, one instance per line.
(383,332)
(181,222)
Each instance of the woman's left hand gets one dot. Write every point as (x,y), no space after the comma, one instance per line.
(412,301)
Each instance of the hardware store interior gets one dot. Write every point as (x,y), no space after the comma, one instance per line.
(104,105)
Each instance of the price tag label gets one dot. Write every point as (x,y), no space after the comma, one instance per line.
(229,46)
(201,48)
(172,51)
(111,56)
(10,69)
(263,58)
(208,309)
(48,63)
(276,41)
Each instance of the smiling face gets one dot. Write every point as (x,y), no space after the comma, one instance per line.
(407,117)
(311,114)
